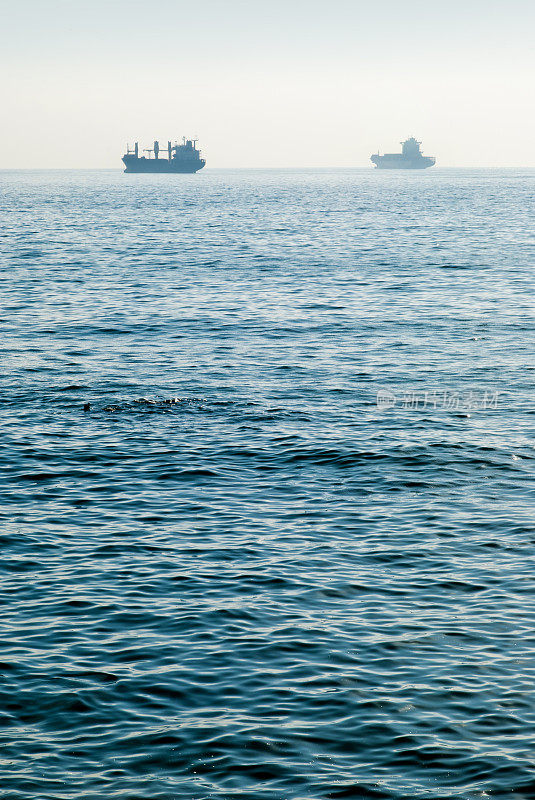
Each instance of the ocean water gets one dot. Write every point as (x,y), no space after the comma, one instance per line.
(288,552)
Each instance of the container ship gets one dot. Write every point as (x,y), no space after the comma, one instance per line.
(410,157)
(179,158)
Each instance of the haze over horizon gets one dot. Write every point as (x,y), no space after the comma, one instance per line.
(261,84)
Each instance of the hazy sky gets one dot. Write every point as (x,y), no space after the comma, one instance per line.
(267,83)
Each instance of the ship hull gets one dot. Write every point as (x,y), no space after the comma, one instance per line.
(162,165)
(399,162)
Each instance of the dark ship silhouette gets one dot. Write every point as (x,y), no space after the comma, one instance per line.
(181,158)
(410,157)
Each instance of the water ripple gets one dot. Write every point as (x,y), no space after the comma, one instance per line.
(234,574)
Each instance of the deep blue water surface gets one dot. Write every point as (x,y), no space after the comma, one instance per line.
(312,574)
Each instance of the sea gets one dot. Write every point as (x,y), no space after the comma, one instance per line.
(267,485)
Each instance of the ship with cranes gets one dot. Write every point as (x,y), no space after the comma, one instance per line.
(179,158)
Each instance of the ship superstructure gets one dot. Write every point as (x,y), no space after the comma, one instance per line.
(411,157)
(179,158)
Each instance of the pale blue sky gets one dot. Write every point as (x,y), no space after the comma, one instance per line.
(267,83)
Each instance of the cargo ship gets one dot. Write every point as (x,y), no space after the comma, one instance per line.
(180,158)
(410,157)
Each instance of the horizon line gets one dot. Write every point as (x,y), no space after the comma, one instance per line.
(258,168)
